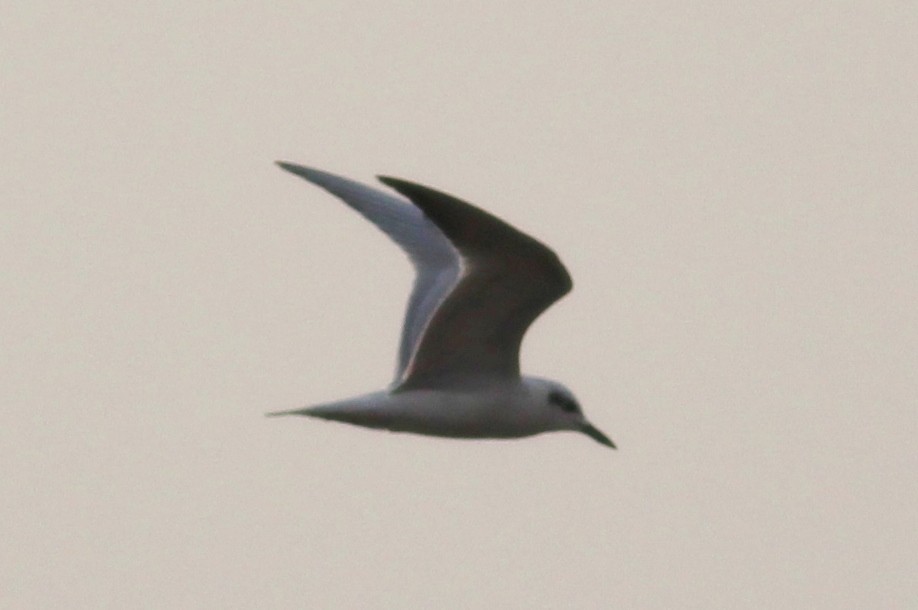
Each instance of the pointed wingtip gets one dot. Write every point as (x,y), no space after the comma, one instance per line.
(280,413)
(396,184)
(290,167)
(414,191)
(452,215)
(307,173)
(407,186)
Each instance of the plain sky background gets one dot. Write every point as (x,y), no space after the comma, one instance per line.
(732,186)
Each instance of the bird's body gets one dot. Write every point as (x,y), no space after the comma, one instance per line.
(480,283)
(502,410)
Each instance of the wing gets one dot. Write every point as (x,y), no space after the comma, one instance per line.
(435,261)
(508,279)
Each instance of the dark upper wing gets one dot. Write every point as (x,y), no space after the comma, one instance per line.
(507,280)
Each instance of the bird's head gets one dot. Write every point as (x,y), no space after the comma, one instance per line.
(562,409)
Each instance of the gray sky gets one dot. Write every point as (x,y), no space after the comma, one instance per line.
(732,186)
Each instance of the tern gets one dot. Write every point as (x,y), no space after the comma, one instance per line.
(479,285)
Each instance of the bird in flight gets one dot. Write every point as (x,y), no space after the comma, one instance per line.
(479,284)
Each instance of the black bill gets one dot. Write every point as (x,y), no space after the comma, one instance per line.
(598,436)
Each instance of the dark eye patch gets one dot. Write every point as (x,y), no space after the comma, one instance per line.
(565,403)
